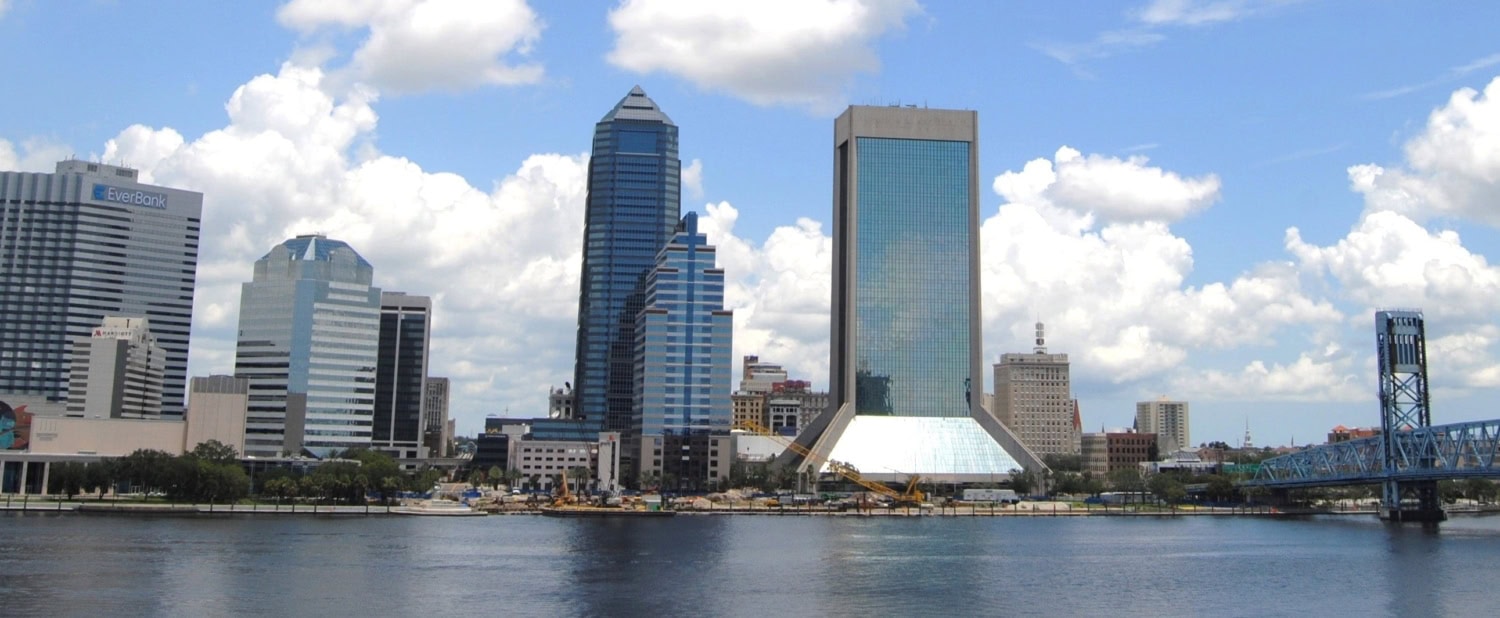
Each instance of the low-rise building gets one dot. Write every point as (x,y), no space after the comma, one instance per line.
(697,462)
(1108,451)
(1341,433)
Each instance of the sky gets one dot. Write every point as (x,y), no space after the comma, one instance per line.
(1205,200)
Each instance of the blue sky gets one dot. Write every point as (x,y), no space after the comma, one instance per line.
(1203,200)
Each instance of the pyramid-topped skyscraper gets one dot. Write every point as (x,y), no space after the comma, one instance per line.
(634,204)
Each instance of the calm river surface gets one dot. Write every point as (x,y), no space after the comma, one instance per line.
(744,566)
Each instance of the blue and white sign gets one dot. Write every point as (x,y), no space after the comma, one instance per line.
(133,197)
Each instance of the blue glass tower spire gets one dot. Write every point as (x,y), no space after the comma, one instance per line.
(633,206)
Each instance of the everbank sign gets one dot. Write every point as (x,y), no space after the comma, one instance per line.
(133,197)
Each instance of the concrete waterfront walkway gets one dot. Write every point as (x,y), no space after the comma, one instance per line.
(31,504)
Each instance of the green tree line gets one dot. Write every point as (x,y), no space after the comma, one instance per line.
(211,473)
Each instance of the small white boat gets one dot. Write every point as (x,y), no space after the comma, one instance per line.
(438,507)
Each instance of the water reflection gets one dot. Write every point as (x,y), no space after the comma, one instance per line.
(742,566)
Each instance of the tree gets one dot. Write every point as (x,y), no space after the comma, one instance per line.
(280,487)
(216,452)
(67,478)
(1021,482)
(1220,488)
(146,469)
(100,476)
(1126,479)
(580,476)
(1480,490)
(1068,483)
(310,487)
(495,476)
(1167,487)
(389,487)
(1061,462)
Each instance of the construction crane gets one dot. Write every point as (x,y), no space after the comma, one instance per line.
(564,497)
(911,496)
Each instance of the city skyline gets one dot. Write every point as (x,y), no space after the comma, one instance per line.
(1193,212)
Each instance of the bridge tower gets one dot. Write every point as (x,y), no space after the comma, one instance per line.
(1401,347)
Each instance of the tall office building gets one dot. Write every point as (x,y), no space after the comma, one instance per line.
(401,374)
(683,342)
(684,338)
(308,343)
(85,242)
(633,206)
(1168,420)
(907,381)
(438,433)
(1034,399)
(117,371)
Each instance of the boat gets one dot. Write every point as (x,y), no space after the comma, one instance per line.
(438,507)
(578,510)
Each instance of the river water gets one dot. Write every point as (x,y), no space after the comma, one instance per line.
(744,566)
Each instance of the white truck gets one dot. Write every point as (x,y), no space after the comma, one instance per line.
(1002,496)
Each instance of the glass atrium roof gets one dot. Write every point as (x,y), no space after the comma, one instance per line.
(892,448)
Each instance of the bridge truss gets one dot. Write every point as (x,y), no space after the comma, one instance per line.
(1460,450)
(1410,456)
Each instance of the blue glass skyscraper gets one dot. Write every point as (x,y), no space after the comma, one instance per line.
(683,341)
(633,205)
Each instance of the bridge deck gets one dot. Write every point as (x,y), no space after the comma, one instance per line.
(1439,452)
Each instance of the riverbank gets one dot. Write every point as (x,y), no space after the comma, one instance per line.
(1034,509)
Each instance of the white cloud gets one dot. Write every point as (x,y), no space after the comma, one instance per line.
(793,52)
(1149,21)
(1452,167)
(1388,260)
(1453,73)
(1103,46)
(35,155)
(1196,12)
(1330,376)
(4,6)
(418,45)
(1114,296)
(692,180)
(1115,189)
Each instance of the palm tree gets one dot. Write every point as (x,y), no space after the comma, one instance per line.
(580,475)
(389,487)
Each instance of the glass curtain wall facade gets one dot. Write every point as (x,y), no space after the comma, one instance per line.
(906,375)
(912,277)
(401,373)
(85,242)
(684,340)
(633,205)
(308,344)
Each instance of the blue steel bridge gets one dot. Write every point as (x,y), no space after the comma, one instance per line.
(1411,455)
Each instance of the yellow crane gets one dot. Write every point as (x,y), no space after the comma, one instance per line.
(912,496)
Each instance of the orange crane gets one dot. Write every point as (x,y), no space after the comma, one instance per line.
(912,496)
